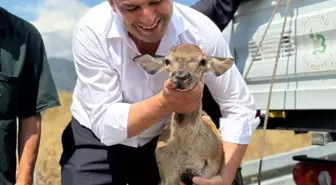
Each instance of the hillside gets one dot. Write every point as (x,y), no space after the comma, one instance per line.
(63,72)
(55,120)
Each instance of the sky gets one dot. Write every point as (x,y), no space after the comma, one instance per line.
(55,19)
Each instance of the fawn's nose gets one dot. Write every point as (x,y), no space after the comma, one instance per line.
(181,75)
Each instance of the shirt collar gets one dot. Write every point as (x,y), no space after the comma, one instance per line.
(116,30)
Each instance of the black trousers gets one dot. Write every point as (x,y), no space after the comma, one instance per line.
(86,161)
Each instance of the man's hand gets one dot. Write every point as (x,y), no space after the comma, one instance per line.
(182,101)
(162,105)
(216,180)
(234,154)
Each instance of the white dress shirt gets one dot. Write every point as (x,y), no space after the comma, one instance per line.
(109,81)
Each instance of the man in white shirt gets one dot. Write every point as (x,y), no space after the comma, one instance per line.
(118,109)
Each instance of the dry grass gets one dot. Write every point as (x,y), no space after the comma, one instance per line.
(56,119)
(276,142)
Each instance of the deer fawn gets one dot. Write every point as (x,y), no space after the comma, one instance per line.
(189,144)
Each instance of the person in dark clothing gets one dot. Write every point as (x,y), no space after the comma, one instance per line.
(220,12)
(26,89)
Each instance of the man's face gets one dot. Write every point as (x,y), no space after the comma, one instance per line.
(147,20)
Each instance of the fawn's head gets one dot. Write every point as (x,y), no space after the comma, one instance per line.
(186,64)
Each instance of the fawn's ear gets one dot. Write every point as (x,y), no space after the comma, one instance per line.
(151,64)
(219,65)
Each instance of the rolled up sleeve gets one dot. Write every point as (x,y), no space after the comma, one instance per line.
(99,91)
(236,103)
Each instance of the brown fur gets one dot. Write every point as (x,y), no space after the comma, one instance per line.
(182,146)
(189,144)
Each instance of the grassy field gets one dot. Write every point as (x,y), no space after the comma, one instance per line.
(54,121)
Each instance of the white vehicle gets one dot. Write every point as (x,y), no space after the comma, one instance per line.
(303,96)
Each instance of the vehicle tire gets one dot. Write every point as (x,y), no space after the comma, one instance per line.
(239,178)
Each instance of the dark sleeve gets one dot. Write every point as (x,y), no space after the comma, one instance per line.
(219,11)
(37,88)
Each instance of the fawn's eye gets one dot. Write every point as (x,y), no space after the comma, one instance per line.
(203,62)
(166,61)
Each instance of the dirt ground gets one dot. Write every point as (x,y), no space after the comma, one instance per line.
(55,120)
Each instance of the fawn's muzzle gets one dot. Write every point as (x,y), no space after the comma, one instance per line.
(181,79)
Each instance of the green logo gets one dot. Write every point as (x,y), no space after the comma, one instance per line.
(319,45)
(317,53)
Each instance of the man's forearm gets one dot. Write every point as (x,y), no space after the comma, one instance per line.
(28,145)
(144,114)
(234,154)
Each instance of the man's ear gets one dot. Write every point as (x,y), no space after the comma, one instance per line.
(151,64)
(219,65)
